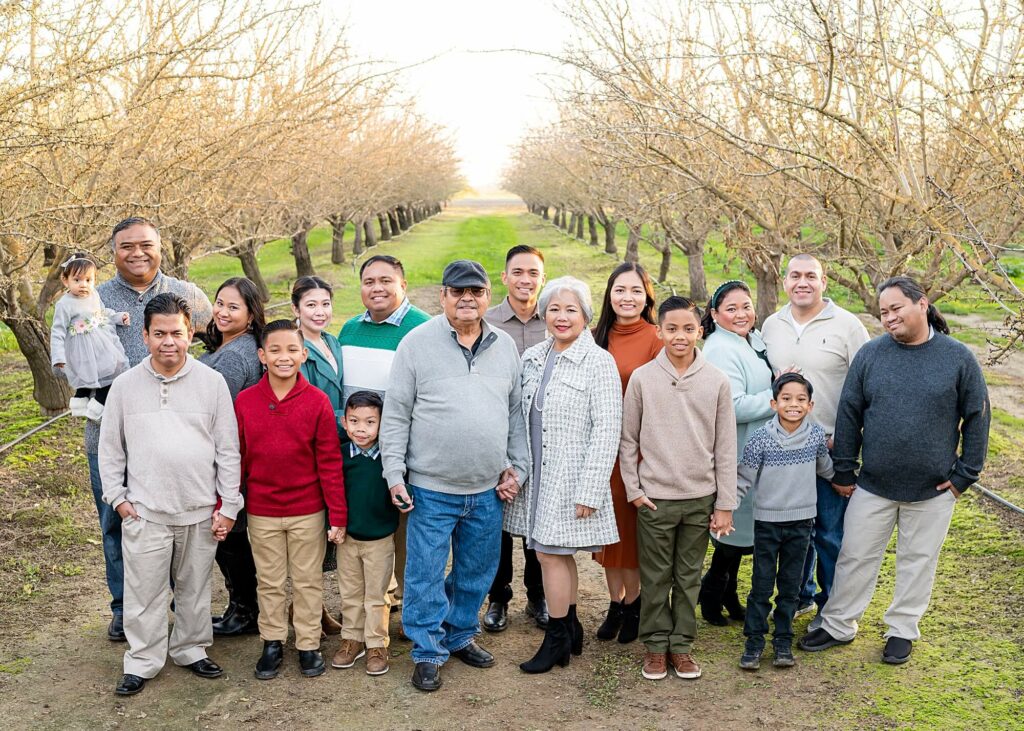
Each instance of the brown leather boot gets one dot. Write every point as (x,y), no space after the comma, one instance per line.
(328,624)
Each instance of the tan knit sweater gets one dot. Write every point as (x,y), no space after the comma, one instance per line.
(679,433)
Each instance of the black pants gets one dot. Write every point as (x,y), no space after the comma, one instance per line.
(234,558)
(100,394)
(501,588)
(779,553)
(719,583)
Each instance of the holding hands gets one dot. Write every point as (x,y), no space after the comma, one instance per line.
(721,523)
(508,484)
(221,526)
(336,535)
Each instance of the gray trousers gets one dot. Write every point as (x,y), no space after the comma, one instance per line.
(154,553)
(870,519)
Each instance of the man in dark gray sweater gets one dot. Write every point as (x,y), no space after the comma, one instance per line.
(915,408)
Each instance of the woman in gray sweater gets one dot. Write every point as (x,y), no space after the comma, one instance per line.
(232,339)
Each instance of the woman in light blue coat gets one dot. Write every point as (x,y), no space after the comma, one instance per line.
(732,343)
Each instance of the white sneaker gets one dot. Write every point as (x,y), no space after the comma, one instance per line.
(805,609)
(78,405)
(94,411)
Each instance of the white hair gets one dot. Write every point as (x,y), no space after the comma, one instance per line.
(579,290)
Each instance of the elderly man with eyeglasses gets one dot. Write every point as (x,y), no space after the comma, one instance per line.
(453,445)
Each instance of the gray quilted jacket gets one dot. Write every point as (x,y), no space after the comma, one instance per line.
(582,424)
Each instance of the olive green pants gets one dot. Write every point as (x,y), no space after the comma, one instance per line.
(672,541)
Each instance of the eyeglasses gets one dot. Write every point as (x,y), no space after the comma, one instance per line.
(460,292)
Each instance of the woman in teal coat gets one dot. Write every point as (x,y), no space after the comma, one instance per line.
(311,304)
(732,343)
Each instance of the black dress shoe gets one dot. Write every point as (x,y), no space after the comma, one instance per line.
(496,617)
(228,611)
(270,660)
(897,651)
(115,632)
(427,676)
(242,621)
(311,663)
(819,640)
(539,611)
(473,654)
(130,685)
(206,668)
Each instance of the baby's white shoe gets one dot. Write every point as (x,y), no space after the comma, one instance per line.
(94,411)
(79,405)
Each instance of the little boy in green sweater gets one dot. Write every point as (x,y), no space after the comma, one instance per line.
(366,557)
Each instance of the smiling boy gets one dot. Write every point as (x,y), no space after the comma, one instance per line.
(780,463)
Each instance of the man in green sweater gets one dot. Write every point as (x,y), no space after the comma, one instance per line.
(915,411)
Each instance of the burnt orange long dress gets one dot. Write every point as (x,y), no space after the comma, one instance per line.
(631,346)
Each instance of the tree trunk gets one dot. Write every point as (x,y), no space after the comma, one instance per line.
(337,239)
(695,267)
(49,390)
(300,251)
(666,262)
(633,246)
(592,228)
(371,235)
(768,280)
(579,226)
(393,220)
(404,220)
(357,245)
(609,237)
(572,223)
(385,227)
(251,269)
(545,212)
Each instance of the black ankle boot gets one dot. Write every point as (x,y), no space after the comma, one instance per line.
(243,621)
(229,610)
(556,648)
(630,622)
(270,660)
(576,630)
(710,599)
(731,600)
(612,622)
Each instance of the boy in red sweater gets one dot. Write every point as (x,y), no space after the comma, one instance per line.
(291,470)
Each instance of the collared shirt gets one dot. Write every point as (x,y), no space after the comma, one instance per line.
(395,318)
(469,353)
(373,452)
(524,334)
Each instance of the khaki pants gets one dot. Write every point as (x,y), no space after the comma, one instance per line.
(283,547)
(869,522)
(365,569)
(154,553)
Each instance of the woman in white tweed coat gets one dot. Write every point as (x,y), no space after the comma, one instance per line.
(572,401)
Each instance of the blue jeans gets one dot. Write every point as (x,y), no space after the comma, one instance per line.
(779,549)
(110,526)
(440,614)
(826,541)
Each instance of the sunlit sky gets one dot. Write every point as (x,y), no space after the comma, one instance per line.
(488,100)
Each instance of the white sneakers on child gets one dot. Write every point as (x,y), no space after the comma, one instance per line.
(79,405)
(94,410)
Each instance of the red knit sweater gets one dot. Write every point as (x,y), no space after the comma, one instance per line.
(291,457)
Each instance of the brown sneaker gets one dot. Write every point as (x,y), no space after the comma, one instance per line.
(686,666)
(655,666)
(347,654)
(377,661)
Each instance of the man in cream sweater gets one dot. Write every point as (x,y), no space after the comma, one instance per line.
(168,453)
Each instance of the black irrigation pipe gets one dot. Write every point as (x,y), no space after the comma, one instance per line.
(32,431)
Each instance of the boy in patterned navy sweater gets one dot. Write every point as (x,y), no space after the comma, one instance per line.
(779,464)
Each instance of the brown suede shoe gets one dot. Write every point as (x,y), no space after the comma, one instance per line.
(347,654)
(655,666)
(377,661)
(685,666)
(328,624)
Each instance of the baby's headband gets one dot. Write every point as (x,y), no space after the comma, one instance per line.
(74,257)
(722,288)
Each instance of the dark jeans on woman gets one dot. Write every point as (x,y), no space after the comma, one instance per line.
(719,583)
(100,394)
(501,588)
(779,552)
(234,558)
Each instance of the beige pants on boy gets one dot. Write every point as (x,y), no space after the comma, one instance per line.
(283,547)
(868,526)
(365,569)
(152,553)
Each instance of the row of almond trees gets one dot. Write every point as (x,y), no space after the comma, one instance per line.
(886,137)
(232,123)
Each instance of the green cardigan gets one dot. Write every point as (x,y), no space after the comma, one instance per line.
(319,373)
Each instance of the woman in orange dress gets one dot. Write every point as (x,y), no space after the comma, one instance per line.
(627,330)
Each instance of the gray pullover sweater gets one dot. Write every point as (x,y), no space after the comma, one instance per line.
(780,468)
(453,422)
(908,410)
